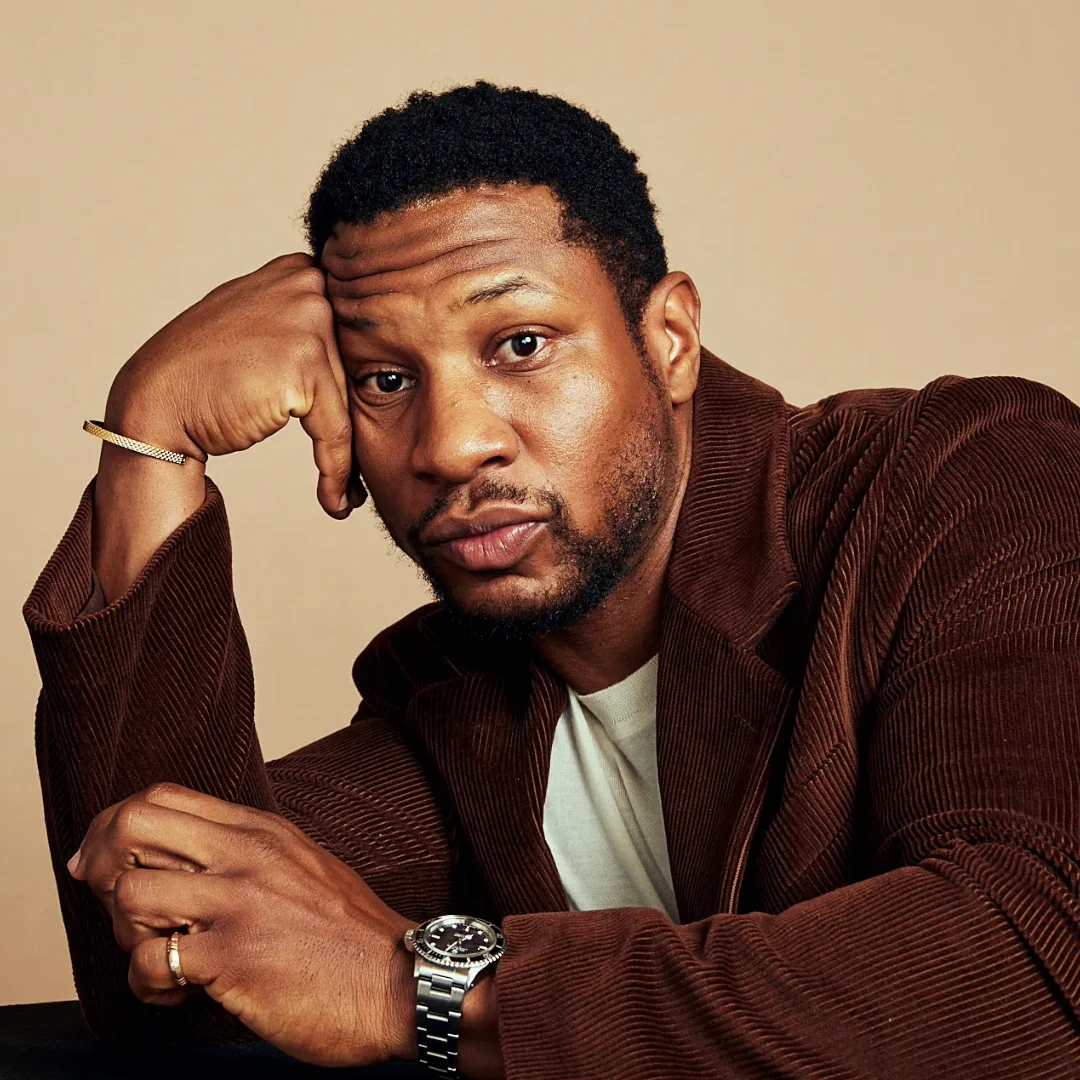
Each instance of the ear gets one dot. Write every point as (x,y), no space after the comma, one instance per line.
(670,326)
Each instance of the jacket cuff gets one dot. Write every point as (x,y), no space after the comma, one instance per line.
(68,589)
(562,994)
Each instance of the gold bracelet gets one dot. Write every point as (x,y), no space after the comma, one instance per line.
(133,444)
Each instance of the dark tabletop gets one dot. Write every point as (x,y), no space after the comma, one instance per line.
(51,1042)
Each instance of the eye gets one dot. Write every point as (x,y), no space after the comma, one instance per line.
(521,346)
(386,383)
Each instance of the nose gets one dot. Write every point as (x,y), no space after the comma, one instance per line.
(460,432)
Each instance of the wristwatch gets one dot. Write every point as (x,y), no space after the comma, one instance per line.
(450,951)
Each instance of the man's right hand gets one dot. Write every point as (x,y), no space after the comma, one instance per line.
(225,374)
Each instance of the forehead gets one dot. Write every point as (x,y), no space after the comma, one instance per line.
(481,229)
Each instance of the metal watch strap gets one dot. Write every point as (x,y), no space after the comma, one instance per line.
(438,1018)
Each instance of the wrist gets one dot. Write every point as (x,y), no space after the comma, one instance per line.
(456,1013)
(401,1003)
(479,1052)
(143,413)
(139,501)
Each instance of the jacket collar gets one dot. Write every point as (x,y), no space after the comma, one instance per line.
(731,565)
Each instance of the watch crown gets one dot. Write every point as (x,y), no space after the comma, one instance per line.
(410,938)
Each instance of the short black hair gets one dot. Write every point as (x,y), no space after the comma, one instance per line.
(434,144)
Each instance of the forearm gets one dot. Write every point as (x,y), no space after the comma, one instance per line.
(156,687)
(911,974)
(140,501)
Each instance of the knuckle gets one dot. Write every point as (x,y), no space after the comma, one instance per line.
(128,893)
(127,820)
(315,312)
(161,793)
(97,826)
(340,434)
(310,348)
(139,966)
(290,261)
(286,264)
(311,279)
(265,843)
(124,933)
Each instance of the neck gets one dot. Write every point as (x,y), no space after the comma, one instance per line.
(623,632)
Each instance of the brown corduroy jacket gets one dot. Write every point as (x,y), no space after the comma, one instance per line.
(868,742)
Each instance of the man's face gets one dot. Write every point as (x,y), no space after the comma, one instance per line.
(504,421)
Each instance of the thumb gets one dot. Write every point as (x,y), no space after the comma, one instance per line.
(327,423)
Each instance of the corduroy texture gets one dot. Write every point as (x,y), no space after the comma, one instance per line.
(868,743)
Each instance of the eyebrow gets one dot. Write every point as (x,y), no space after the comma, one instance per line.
(517,283)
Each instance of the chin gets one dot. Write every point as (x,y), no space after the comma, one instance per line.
(505,596)
(508,606)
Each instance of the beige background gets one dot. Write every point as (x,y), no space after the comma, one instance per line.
(867,194)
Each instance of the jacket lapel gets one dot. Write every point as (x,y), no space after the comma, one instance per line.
(719,712)
(720,708)
(490,737)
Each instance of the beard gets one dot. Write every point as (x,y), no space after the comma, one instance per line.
(590,566)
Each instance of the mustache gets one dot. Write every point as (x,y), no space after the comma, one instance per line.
(467,498)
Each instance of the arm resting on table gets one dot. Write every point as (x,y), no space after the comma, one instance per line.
(158,687)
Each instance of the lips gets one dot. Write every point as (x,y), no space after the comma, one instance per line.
(495,539)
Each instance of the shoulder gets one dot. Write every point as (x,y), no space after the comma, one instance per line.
(995,426)
(946,488)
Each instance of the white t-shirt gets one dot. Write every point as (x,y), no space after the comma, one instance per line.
(602,815)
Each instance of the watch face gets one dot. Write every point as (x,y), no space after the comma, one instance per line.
(459,940)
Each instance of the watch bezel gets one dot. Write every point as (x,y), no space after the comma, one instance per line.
(434,955)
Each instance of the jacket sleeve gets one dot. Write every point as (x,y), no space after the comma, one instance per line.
(158,686)
(958,953)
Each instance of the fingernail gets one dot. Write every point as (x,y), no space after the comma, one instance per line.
(344,504)
(73,862)
(357,494)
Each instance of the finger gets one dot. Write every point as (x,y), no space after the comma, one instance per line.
(198,803)
(100,821)
(150,977)
(286,264)
(355,492)
(99,850)
(337,369)
(328,425)
(172,796)
(147,836)
(147,902)
(145,831)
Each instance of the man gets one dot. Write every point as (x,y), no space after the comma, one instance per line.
(757,728)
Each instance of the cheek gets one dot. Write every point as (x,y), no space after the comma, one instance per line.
(574,434)
(382,455)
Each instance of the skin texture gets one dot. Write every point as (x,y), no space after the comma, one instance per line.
(170,857)
(402,358)
(468,412)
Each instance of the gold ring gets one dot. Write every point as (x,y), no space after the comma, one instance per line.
(172,951)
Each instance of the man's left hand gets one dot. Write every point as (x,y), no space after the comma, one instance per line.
(279,932)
